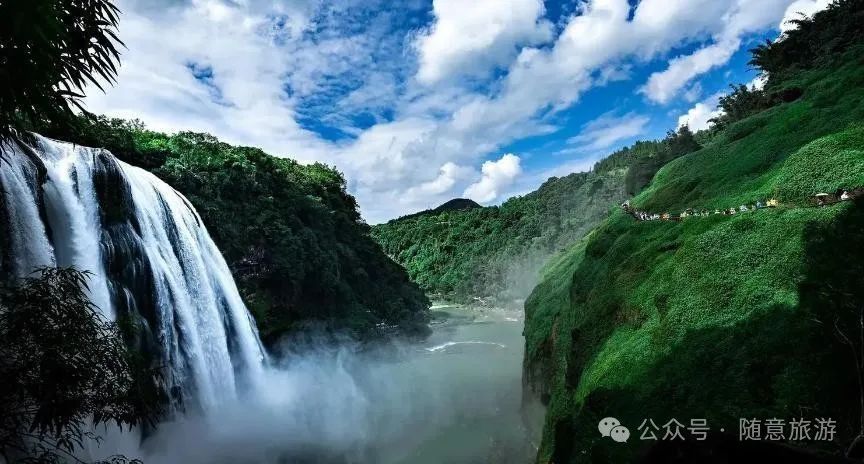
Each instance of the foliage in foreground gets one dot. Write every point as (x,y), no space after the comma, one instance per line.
(50,50)
(64,367)
(814,42)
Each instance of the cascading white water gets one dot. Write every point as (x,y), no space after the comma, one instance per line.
(152,261)
(25,230)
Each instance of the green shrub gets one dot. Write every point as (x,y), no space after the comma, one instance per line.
(824,165)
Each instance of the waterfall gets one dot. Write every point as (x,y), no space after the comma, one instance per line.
(151,259)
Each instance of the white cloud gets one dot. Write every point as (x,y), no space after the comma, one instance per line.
(608,129)
(801,7)
(155,82)
(664,86)
(541,80)
(697,117)
(496,176)
(448,176)
(744,17)
(468,37)
(277,65)
(693,93)
(758,82)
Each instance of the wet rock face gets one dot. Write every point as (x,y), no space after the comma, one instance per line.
(112,190)
(536,375)
(130,273)
(33,175)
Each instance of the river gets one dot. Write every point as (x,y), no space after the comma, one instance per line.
(454,398)
(478,352)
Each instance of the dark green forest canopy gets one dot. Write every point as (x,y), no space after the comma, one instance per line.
(291,234)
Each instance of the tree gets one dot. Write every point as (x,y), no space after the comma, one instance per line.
(50,50)
(742,102)
(680,143)
(812,41)
(649,161)
(63,365)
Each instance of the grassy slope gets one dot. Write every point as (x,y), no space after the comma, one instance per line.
(713,317)
(499,250)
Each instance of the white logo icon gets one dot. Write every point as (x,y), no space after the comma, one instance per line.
(620,434)
(607,424)
(611,427)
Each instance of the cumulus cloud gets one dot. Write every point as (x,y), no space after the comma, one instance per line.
(744,17)
(470,37)
(697,117)
(605,33)
(496,176)
(608,129)
(664,86)
(801,7)
(448,176)
(693,93)
(158,84)
(758,82)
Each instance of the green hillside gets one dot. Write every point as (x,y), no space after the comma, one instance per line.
(722,317)
(498,250)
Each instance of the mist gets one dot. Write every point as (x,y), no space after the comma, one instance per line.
(455,398)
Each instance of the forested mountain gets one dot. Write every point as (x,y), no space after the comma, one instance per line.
(721,317)
(456,204)
(497,251)
(291,234)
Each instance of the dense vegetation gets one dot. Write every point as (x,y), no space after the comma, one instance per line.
(456,204)
(460,250)
(291,234)
(812,43)
(723,317)
(497,250)
(62,366)
(649,157)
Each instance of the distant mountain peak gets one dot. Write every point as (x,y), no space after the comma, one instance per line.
(457,204)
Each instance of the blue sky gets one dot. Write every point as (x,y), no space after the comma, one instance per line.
(420,101)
